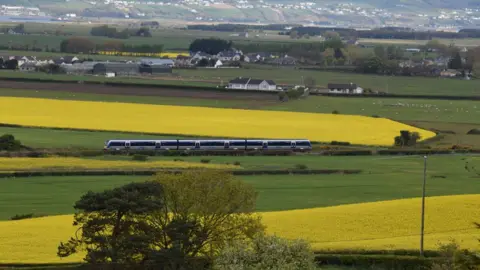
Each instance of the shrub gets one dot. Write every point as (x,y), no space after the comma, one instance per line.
(406,138)
(375,116)
(8,143)
(301,167)
(340,143)
(178,159)
(205,160)
(335,112)
(237,163)
(475,131)
(25,216)
(138,157)
(392,262)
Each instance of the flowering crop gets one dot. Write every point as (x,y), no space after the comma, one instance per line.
(22,164)
(213,122)
(380,225)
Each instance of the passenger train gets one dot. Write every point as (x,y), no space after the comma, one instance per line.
(245,145)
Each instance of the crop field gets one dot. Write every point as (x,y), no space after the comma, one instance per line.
(200,121)
(382,178)
(458,42)
(64,163)
(384,225)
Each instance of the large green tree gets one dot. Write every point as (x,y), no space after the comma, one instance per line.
(113,225)
(221,207)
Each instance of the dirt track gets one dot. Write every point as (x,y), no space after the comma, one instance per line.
(140,91)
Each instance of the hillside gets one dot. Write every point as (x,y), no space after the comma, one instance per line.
(357,13)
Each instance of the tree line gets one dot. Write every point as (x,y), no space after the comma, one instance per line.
(384,33)
(112,32)
(85,45)
(227,27)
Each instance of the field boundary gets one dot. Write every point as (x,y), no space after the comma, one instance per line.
(405,96)
(149,172)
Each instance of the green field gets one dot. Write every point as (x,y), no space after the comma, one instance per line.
(384,178)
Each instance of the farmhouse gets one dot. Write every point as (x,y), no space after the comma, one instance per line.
(349,88)
(252,84)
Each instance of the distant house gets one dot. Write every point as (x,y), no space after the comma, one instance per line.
(28,67)
(183,61)
(80,68)
(157,62)
(218,64)
(65,60)
(348,88)
(414,50)
(252,84)
(23,59)
(201,55)
(229,55)
(284,61)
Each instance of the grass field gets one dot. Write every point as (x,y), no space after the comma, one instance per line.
(383,178)
(390,84)
(200,121)
(383,225)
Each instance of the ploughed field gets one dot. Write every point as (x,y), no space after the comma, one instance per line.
(200,121)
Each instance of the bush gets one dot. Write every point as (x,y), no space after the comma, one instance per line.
(25,216)
(178,159)
(475,131)
(8,143)
(406,138)
(375,116)
(335,112)
(392,262)
(301,167)
(205,160)
(138,157)
(237,163)
(340,143)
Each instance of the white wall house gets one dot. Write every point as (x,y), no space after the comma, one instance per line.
(252,84)
(350,88)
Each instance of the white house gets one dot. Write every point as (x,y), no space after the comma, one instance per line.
(252,84)
(218,64)
(349,88)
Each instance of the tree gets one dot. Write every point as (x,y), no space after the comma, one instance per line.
(112,224)
(1,63)
(77,45)
(407,138)
(379,51)
(11,64)
(220,206)
(8,143)
(143,32)
(112,45)
(19,28)
(331,35)
(455,62)
(266,252)
(452,257)
(293,34)
(210,45)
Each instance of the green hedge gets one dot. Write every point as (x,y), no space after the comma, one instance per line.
(391,262)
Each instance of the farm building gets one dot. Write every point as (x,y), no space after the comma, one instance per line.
(346,88)
(154,69)
(117,68)
(252,84)
(28,67)
(157,62)
(80,68)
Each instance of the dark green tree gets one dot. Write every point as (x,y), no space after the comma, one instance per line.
(456,61)
(379,51)
(112,224)
(210,45)
(11,64)
(8,143)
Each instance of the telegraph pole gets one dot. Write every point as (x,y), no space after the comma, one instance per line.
(422,227)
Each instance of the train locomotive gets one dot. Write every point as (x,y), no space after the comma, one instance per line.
(208,145)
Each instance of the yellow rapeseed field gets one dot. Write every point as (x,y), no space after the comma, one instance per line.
(200,121)
(374,226)
(382,225)
(22,164)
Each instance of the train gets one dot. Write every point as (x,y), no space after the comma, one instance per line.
(208,145)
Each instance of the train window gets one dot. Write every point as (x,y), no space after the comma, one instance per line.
(279,143)
(303,143)
(212,143)
(254,143)
(169,143)
(186,143)
(143,143)
(237,143)
(117,144)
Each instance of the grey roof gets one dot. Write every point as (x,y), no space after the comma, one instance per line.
(250,81)
(156,62)
(68,59)
(349,86)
